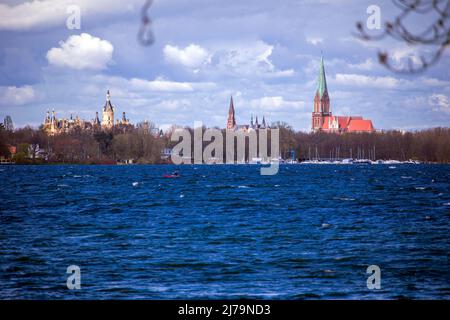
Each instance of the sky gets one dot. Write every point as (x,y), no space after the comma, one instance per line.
(265,54)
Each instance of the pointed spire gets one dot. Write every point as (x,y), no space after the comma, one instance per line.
(231,110)
(264,122)
(97,120)
(108,106)
(231,121)
(322,80)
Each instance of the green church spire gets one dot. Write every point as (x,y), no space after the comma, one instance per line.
(321,80)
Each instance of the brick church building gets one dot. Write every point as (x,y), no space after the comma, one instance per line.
(254,125)
(322,118)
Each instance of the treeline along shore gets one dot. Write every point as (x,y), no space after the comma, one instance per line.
(33,146)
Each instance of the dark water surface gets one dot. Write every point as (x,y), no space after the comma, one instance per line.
(225,232)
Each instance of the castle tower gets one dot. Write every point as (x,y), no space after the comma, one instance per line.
(108,113)
(53,123)
(124,120)
(321,100)
(231,122)
(47,120)
(96,122)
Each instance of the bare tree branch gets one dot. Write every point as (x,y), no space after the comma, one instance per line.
(436,35)
(145,33)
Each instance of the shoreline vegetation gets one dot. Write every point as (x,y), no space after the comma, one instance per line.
(34,146)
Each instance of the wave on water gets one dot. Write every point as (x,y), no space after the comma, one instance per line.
(344,199)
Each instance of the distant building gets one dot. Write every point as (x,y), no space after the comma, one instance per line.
(108,113)
(8,124)
(231,121)
(12,149)
(322,118)
(54,126)
(232,124)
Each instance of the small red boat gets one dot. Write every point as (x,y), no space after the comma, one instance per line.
(170,176)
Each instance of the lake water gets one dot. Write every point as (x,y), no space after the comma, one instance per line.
(221,232)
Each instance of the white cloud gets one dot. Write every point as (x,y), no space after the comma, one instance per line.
(138,87)
(249,59)
(173,105)
(16,96)
(439,103)
(159,85)
(276,103)
(314,40)
(402,55)
(358,80)
(193,56)
(283,73)
(82,52)
(366,65)
(47,13)
(244,59)
(433,82)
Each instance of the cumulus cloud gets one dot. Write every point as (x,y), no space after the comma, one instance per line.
(402,55)
(16,96)
(439,103)
(250,59)
(82,52)
(47,13)
(193,56)
(276,103)
(358,80)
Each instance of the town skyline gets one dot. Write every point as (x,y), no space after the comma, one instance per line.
(189,74)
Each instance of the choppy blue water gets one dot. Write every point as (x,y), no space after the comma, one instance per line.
(225,232)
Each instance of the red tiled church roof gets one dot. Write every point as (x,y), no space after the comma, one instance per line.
(348,124)
(359,125)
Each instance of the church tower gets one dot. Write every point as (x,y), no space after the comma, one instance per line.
(108,113)
(231,122)
(321,100)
